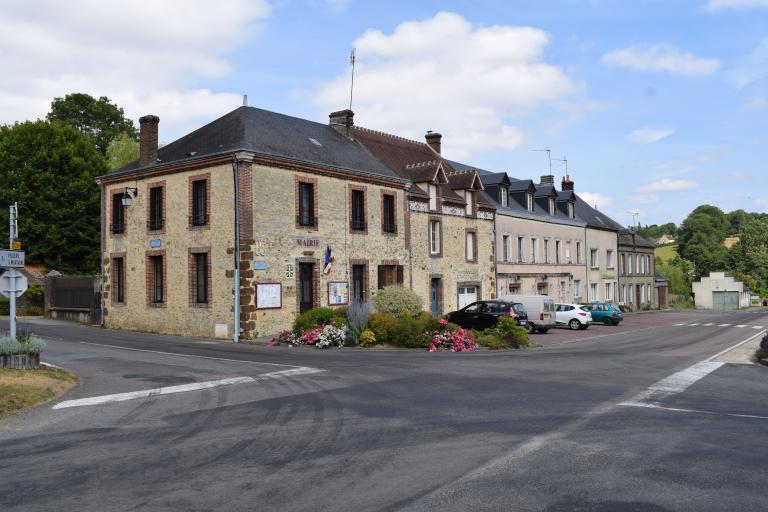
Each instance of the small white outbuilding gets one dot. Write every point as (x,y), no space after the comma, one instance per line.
(722,292)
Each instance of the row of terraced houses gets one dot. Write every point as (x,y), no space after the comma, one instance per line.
(258,216)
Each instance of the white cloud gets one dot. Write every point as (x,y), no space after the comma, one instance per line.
(597,199)
(661,57)
(146,56)
(715,5)
(470,83)
(755,104)
(649,135)
(645,198)
(666,185)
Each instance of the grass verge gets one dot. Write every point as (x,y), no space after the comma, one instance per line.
(24,388)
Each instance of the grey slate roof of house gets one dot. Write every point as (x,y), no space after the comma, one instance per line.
(627,237)
(272,134)
(594,218)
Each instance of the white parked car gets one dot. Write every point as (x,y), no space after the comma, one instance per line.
(573,316)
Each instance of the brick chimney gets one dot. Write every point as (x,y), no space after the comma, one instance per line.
(567,183)
(433,140)
(342,121)
(547,179)
(148,140)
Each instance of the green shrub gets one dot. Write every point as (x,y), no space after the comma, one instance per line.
(367,338)
(28,345)
(395,299)
(381,324)
(35,296)
(490,341)
(314,318)
(409,330)
(508,333)
(5,306)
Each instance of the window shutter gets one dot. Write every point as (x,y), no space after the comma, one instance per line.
(399,274)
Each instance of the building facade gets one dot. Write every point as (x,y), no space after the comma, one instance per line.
(722,292)
(540,242)
(637,272)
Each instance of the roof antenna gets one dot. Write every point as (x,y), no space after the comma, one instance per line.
(352,84)
(635,214)
(549,156)
(245,100)
(564,159)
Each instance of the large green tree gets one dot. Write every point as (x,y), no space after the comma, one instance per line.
(123,150)
(749,257)
(700,239)
(49,169)
(101,120)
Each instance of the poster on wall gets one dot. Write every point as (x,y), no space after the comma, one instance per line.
(338,293)
(269,296)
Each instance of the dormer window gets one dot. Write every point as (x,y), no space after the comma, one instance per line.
(571,210)
(504,196)
(469,209)
(551,206)
(529,201)
(432,197)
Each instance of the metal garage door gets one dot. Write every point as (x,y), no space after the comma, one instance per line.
(467,295)
(725,301)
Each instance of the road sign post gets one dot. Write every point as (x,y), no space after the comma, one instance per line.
(13,284)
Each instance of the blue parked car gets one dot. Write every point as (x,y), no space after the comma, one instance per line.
(604,312)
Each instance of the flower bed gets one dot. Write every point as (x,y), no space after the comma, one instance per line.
(446,338)
(22,353)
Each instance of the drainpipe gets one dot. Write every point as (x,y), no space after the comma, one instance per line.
(495,258)
(101,256)
(236,180)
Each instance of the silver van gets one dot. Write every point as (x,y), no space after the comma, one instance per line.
(541,311)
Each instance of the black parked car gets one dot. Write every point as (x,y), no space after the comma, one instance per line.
(485,313)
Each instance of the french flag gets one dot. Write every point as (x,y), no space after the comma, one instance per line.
(328,260)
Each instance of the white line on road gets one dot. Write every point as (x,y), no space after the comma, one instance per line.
(741,326)
(692,325)
(724,325)
(757,327)
(708,325)
(678,325)
(677,409)
(189,355)
(183,388)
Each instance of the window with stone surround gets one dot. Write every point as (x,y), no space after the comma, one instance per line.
(156,217)
(390,275)
(357,217)
(117,225)
(199,201)
(557,251)
(306,204)
(359,281)
(388,213)
(520,249)
(505,244)
(435,237)
(471,246)
(156,278)
(199,277)
(118,279)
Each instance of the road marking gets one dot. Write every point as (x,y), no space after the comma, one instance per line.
(692,325)
(678,325)
(183,388)
(682,380)
(677,409)
(741,326)
(708,325)
(757,327)
(724,325)
(189,355)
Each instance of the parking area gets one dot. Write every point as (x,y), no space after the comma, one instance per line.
(632,322)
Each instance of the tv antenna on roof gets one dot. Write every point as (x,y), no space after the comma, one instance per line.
(352,84)
(635,214)
(549,156)
(564,159)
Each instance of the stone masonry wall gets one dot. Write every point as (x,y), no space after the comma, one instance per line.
(177,315)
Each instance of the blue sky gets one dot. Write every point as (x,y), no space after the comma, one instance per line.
(659,106)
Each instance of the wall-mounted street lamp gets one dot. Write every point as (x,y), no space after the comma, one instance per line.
(127,200)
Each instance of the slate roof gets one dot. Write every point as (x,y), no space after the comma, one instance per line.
(627,237)
(594,218)
(272,134)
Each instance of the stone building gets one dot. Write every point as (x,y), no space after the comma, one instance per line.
(601,251)
(304,189)
(637,272)
(540,241)
(450,226)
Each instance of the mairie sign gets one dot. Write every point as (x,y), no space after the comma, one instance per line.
(11,259)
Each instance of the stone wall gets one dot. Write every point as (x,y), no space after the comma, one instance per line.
(279,245)
(452,266)
(174,240)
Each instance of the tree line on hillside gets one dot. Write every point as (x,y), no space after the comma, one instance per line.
(49,167)
(701,249)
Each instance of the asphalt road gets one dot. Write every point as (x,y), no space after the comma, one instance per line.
(557,428)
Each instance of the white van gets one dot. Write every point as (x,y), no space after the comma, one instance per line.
(541,311)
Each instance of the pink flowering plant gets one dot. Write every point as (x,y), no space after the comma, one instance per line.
(310,337)
(451,338)
(284,338)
